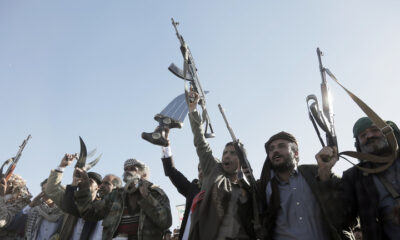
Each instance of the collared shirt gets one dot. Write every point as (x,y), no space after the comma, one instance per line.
(47,230)
(76,235)
(387,202)
(187,228)
(97,233)
(299,215)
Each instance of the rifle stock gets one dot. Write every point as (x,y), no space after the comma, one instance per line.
(14,160)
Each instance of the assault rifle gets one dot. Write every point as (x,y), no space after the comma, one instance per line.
(244,162)
(325,121)
(12,162)
(189,74)
(325,117)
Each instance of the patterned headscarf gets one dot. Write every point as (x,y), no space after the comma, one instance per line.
(18,187)
(134,162)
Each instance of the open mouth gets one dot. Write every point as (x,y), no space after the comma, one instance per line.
(276,157)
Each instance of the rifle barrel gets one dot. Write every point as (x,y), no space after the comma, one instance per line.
(321,67)
(227,124)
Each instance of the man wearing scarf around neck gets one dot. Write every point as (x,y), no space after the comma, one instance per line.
(222,210)
(42,218)
(299,201)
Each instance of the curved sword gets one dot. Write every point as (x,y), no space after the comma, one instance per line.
(82,155)
(93,163)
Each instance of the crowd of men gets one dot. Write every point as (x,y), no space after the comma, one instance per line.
(295,201)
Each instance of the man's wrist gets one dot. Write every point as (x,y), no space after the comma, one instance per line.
(324,174)
(166,151)
(60,169)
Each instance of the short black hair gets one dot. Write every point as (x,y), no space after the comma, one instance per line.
(230,144)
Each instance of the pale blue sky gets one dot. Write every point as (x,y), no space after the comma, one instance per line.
(98,69)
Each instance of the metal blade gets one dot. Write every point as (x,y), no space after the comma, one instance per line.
(93,163)
(91,153)
(82,155)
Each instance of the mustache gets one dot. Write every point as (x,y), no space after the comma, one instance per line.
(130,175)
(226,161)
(276,155)
(371,139)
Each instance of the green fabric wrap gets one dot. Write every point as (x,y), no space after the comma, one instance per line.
(361,124)
(364,123)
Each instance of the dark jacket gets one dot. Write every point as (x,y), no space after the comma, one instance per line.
(362,199)
(188,189)
(326,193)
(64,198)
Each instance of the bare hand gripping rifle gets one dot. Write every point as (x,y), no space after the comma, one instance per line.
(325,121)
(244,162)
(189,74)
(12,162)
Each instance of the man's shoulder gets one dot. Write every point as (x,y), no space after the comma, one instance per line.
(352,172)
(157,190)
(308,168)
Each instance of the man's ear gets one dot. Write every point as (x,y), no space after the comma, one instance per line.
(296,155)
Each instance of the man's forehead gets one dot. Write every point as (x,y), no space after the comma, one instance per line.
(108,178)
(278,141)
(372,127)
(229,147)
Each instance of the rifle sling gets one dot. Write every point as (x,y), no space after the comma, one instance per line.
(389,187)
(316,128)
(382,125)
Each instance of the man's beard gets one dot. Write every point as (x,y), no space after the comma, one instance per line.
(130,176)
(287,165)
(376,146)
(131,179)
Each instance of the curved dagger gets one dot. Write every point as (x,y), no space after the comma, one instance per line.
(82,155)
(93,163)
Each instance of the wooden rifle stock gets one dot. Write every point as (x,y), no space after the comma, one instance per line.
(15,160)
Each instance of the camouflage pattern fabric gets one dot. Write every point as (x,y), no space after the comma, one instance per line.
(155,212)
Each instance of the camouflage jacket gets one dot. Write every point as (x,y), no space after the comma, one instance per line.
(155,212)
(8,210)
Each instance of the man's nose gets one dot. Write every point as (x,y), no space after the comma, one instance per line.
(370,134)
(274,152)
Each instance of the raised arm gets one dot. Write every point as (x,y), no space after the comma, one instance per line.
(90,210)
(54,189)
(207,160)
(181,183)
